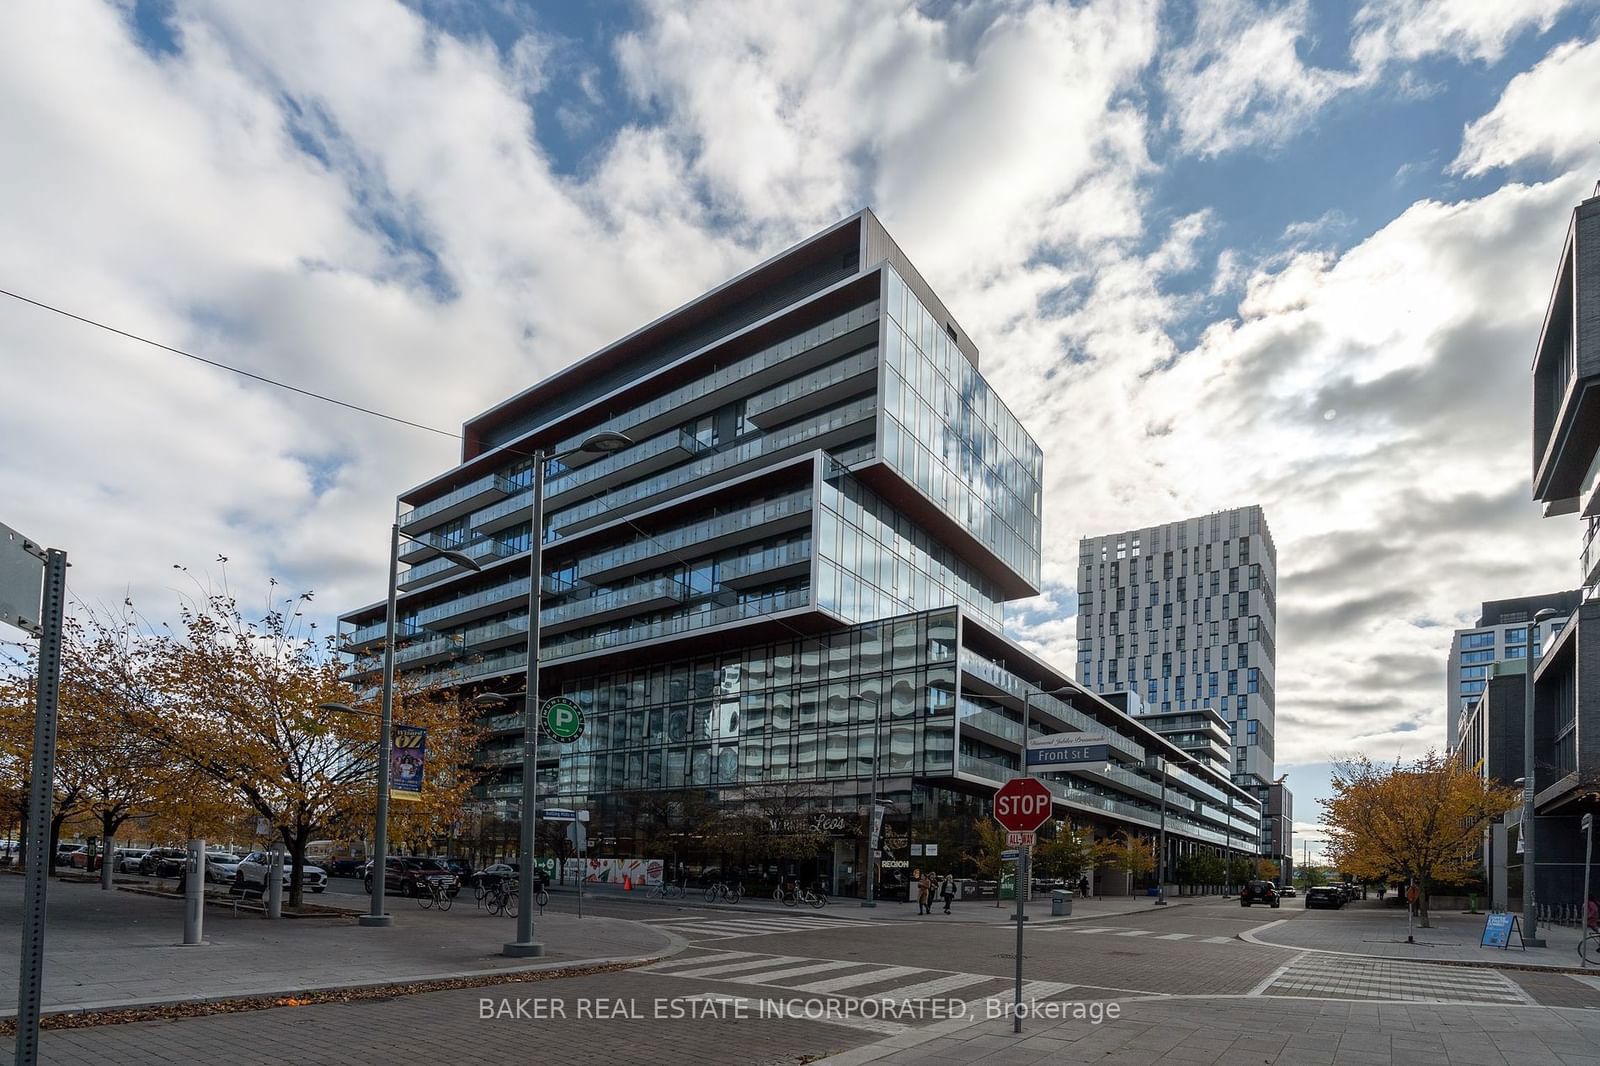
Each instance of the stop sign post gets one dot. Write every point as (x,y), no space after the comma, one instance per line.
(1022,805)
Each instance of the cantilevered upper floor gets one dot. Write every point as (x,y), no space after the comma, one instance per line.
(1566,375)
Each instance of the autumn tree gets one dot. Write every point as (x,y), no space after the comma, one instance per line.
(1066,853)
(241,700)
(1421,820)
(988,846)
(1267,870)
(1133,855)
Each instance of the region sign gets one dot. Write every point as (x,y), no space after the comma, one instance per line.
(1022,804)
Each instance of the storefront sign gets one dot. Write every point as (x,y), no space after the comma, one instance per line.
(820,822)
(895,864)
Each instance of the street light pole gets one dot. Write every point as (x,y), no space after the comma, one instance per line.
(1161,862)
(872,811)
(1530,914)
(1227,873)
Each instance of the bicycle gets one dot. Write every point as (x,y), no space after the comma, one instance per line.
(435,895)
(802,895)
(502,898)
(721,890)
(666,890)
(1589,948)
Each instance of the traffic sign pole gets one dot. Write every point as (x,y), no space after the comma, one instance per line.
(1023,874)
(1022,805)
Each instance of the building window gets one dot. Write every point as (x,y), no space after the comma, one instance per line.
(1477,640)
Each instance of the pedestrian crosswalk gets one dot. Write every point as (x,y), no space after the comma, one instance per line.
(727,927)
(789,975)
(1118,930)
(1360,977)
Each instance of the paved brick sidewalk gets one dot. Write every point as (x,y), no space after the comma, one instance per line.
(120,949)
(1283,1032)
(1452,938)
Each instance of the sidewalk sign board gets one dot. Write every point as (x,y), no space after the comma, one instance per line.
(1497,930)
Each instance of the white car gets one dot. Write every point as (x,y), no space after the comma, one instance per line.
(222,868)
(253,871)
(128,860)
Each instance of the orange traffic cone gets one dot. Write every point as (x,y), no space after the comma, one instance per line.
(627,883)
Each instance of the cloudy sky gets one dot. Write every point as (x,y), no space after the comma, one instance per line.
(1214,253)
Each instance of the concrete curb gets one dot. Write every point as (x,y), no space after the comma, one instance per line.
(675,945)
(1249,937)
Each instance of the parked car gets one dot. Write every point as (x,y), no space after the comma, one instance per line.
(71,854)
(408,875)
(252,870)
(1330,896)
(1288,892)
(163,862)
(346,866)
(127,861)
(1258,892)
(457,865)
(222,868)
(491,875)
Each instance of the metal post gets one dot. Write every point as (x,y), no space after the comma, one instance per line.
(1027,716)
(194,894)
(1227,872)
(108,860)
(1161,860)
(1023,873)
(872,812)
(1530,919)
(525,946)
(380,850)
(41,795)
(275,882)
(1588,857)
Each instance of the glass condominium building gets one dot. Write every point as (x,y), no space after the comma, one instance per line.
(1185,615)
(790,583)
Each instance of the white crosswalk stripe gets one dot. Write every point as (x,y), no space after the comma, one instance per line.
(887,982)
(1117,930)
(722,928)
(1352,977)
(702,960)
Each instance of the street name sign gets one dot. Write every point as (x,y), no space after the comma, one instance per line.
(21,580)
(1022,804)
(1066,756)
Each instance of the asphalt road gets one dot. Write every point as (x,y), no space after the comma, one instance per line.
(762,984)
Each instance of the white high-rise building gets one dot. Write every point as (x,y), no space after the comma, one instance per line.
(1185,615)
(1501,634)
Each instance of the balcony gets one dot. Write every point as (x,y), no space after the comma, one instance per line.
(672,627)
(998,677)
(489,666)
(618,603)
(766,566)
(503,515)
(465,608)
(484,550)
(814,391)
(704,537)
(986,721)
(469,497)
(641,460)
(823,431)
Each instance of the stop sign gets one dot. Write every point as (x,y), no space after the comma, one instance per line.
(1022,804)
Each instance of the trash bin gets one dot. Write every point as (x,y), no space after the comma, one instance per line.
(1060,902)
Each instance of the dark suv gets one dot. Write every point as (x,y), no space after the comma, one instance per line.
(1258,892)
(163,862)
(409,875)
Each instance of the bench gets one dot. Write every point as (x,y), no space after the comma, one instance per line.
(250,897)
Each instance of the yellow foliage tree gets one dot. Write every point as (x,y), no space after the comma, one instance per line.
(1267,870)
(1067,853)
(1134,855)
(1417,821)
(986,851)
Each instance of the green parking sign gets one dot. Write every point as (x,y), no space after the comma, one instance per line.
(562,719)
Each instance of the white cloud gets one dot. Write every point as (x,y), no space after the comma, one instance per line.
(1407,30)
(1545,114)
(1239,80)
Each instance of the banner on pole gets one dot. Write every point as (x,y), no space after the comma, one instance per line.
(408,756)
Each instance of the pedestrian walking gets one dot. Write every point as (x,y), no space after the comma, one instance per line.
(1083,887)
(1591,915)
(947,889)
(925,894)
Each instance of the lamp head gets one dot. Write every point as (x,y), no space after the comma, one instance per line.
(605,443)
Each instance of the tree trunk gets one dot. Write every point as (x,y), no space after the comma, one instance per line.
(297,859)
(1422,903)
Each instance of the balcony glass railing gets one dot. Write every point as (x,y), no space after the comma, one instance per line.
(500,662)
(760,562)
(674,540)
(664,588)
(991,723)
(623,498)
(1004,679)
(666,443)
(816,381)
(484,549)
(423,511)
(682,624)
(428,616)
(732,374)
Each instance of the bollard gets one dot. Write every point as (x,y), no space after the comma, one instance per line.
(194,894)
(275,883)
(108,863)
